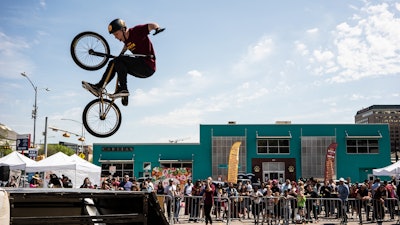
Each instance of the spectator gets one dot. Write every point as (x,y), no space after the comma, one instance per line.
(105,185)
(194,209)
(286,186)
(233,196)
(177,206)
(301,203)
(115,183)
(379,202)
(208,199)
(170,190)
(36,181)
(160,193)
(150,185)
(256,195)
(126,184)
(66,182)
(392,199)
(343,194)
(311,203)
(326,193)
(87,183)
(364,196)
(187,192)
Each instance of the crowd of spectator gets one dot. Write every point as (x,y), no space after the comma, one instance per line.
(310,199)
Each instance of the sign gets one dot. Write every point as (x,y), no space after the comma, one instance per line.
(112,169)
(82,155)
(32,153)
(329,161)
(233,163)
(23,141)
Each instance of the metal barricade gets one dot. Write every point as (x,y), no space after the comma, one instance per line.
(373,210)
(280,210)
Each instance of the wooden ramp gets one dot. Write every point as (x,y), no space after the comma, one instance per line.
(83,206)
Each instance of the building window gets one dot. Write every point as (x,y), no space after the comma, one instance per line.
(313,155)
(273,146)
(221,146)
(362,146)
(120,169)
(184,164)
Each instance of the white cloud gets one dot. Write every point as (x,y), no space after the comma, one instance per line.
(255,54)
(365,46)
(312,31)
(302,48)
(12,57)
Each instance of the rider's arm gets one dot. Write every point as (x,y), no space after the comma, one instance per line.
(152,26)
(123,50)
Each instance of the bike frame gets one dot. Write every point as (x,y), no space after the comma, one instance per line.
(103,112)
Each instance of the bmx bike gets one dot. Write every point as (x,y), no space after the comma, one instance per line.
(90,51)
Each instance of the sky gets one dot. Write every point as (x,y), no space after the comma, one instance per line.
(252,62)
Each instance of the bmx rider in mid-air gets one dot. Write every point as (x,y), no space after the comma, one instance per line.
(136,40)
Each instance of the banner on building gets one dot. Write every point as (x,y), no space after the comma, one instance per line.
(233,163)
(330,161)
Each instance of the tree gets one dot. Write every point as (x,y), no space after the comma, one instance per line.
(54,148)
(5,149)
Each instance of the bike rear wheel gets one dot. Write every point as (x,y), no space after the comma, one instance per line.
(85,42)
(101,118)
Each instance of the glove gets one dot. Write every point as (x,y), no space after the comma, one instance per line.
(159,30)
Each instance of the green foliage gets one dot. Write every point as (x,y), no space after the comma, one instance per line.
(54,148)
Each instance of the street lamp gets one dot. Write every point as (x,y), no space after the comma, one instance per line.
(82,137)
(68,134)
(34,111)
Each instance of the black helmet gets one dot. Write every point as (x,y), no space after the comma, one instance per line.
(116,25)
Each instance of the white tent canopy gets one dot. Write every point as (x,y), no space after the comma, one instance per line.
(16,161)
(74,167)
(390,170)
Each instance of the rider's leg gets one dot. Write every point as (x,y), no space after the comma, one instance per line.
(104,79)
(134,66)
(108,75)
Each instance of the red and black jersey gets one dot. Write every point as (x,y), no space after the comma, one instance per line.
(139,43)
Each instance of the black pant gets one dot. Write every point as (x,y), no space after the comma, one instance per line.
(207,212)
(123,65)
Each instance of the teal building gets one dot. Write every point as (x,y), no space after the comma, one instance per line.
(268,151)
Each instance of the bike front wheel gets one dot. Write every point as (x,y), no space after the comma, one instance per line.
(85,43)
(101,118)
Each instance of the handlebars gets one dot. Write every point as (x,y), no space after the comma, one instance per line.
(158,30)
(92,52)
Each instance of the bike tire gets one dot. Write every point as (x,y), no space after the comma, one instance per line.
(85,41)
(98,126)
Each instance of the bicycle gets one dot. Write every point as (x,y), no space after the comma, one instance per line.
(90,51)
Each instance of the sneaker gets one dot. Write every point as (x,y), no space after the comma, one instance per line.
(96,91)
(125,100)
(120,93)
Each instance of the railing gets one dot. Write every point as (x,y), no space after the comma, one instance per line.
(283,210)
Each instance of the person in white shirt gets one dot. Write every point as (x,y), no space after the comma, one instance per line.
(170,190)
(187,192)
(257,197)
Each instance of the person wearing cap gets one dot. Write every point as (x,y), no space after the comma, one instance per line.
(170,190)
(343,194)
(35,182)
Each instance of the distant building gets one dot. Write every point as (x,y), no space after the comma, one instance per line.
(389,114)
(269,151)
